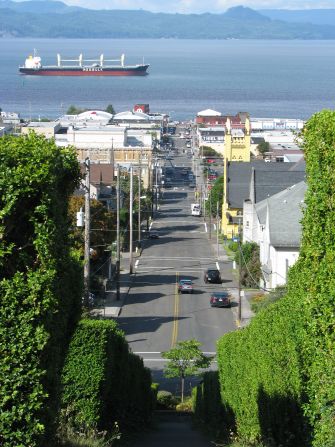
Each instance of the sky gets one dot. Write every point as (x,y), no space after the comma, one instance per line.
(200,6)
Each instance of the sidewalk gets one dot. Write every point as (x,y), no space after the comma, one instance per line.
(110,306)
(246,313)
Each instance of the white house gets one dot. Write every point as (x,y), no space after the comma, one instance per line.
(274,225)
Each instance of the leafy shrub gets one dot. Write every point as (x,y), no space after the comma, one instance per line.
(40,285)
(233,246)
(208,408)
(251,267)
(278,374)
(103,382)
(185,406)
(166,400)
(262,300)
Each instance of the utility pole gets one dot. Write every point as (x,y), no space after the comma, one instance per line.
(210,215)
(239,316)
(217,229)
(87,233)
(118,254)
(156,185)
(139,205)
(131,222)
(152,190)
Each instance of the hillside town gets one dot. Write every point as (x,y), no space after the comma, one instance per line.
(254,182)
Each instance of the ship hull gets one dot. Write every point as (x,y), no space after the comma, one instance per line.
(140,70)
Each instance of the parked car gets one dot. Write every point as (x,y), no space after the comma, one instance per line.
(220,299)
(212,276)
(185,286)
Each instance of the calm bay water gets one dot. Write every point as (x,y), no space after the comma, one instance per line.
(266,78)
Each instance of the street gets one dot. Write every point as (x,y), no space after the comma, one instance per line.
(154,316)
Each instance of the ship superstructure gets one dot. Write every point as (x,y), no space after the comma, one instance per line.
(82,67)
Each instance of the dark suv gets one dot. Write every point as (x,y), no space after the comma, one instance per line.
(212,276)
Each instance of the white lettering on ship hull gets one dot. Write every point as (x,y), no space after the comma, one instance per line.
(92,69)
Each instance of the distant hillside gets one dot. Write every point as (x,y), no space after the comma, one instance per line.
(54,19)
(315,16)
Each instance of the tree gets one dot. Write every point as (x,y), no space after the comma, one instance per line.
(110,109)
(263,147)
(251,267)
(103,223)
(73,110)
(207,151)
(215,195)
(186,359)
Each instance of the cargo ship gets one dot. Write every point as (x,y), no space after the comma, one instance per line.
(82,67)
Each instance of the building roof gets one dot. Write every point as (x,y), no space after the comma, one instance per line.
(258,180)
(210,131)
(95,115)
(44,124)
(100,172)
(132,116)
(208,112)
(283,213)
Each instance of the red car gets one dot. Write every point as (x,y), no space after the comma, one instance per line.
(185,286)
(220,299)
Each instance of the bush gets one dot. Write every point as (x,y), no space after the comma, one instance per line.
(185,406)
(208,408)
(278,374)
(40,285)
(233,246)
(103,382)
(263,395)
(166,400)
(251,266)
(263,300)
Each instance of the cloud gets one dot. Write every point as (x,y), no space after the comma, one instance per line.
(200,6)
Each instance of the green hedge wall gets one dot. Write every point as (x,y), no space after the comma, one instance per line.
(208,408)
(278,375)
(260,378)
(40,284)
(103,382)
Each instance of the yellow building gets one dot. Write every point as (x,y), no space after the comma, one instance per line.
(237,148)
(237,142)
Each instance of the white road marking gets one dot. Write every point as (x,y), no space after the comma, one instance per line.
(172,258)
(205,226)
(159,352)
(164,360)
(217,265)
(146,352)
(166,267)
(136,263)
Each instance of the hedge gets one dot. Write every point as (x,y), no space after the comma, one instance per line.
(208,408)
(278,375)
(103,382)
(260,378)
(40,284)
